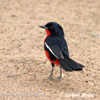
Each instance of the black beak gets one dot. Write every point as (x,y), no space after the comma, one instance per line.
(43,26)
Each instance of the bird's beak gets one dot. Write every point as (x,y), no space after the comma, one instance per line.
(43,26)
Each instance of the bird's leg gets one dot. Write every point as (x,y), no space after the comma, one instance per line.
(60,77)
(51,75)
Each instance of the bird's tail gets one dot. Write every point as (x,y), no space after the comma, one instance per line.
(70,65)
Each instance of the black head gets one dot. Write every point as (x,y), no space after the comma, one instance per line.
(54,28)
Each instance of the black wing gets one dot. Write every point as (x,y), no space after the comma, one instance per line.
(60,51)
(55,50)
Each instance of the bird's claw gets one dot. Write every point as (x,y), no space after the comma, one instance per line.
(59,78)
(51,78)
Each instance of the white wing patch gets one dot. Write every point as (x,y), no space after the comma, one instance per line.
(51,50)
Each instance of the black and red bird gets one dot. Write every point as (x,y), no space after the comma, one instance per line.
(56,49)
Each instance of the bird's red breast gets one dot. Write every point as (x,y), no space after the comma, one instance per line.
(48,34)
(47,53)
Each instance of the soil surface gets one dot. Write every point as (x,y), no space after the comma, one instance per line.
(24,68)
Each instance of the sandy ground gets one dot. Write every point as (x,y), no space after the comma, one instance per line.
(24,69)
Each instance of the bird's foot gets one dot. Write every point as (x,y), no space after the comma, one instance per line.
(51,78)
(59,78)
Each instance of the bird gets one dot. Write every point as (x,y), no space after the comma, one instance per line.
(56,50)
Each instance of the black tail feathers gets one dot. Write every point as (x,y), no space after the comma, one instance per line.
(70,65)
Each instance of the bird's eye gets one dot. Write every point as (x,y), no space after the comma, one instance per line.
(52,27)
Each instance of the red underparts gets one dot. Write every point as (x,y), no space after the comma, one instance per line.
(48,32)
(54,62)
(47,54)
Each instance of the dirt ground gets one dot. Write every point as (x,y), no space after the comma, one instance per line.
(24,69)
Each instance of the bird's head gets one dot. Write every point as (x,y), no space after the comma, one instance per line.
(53,29)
